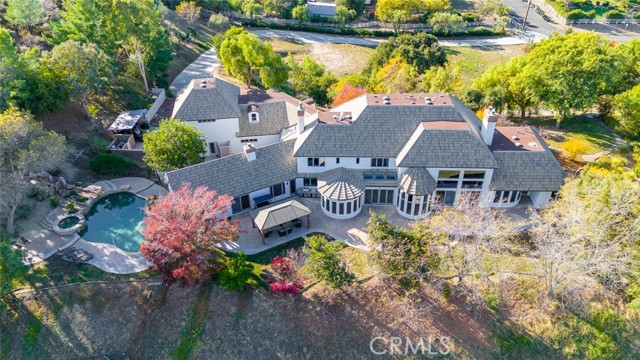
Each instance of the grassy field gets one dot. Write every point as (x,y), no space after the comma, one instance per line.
(340,59)
(595,133)
(473,61)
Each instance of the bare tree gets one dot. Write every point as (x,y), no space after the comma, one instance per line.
(24,147)
(586,232)
(189,11)
(135,50)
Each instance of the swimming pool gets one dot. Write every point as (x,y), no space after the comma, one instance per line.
(116,219)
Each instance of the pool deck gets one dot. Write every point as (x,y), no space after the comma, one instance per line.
(42,242)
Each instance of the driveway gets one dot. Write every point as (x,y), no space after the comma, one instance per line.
(199,69)
(313,38)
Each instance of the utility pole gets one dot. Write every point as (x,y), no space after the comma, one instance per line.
(524,22)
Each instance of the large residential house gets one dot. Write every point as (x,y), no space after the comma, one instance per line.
(415,152)
(230,120)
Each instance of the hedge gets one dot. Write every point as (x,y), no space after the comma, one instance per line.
(477,31)
(578,14)
(613,14)
(110,164)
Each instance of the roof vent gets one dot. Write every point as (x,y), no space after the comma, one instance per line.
(429,102)
(532,144)
(413,103)
(349,117)
(203,85)
(335,117)
(427,99)
(387,102)
(386,98)
(515,138)
(518,145)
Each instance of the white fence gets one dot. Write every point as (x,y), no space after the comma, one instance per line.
(566,21)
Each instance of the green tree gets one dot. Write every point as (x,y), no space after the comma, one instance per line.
(508,85)
(355,5)
(117,27)
(344,15)
(420,50)
(627,105)
(11,69)
(310,78)
(396,77)
(569,72)
(407,256)
(25,12)
(174,145)
(237,272)
(24,147)
(189,11)
(300,13)
(325,263)
(437,5)
(446,22)
(244,56)
(85,69)
(275,7)
(12,267)
(398,11)
(447,79)
(251,8)
(41,90)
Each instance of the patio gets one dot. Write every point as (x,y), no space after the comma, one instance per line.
(351,231)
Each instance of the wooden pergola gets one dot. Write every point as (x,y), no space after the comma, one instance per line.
(279,214)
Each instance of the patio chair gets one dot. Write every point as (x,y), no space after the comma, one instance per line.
(282,232)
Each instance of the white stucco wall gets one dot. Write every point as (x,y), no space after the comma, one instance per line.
(346,162)
(540,199)
(220,131)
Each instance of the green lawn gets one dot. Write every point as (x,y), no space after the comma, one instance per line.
(595,133)
(474,60)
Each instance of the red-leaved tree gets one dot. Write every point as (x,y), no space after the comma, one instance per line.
(181,231)
(346,93)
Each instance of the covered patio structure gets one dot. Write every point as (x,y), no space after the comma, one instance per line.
(280,215)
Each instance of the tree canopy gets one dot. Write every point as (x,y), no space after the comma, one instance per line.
(420,50)
(174,145)
(309,78)
(245,56)
(181,231)
(24,147)
(25,12)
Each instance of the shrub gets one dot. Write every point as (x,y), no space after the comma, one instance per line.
(469,17)
(218,21)
(613,14)
(637,15)
(110,164)
(325,263)
(575,148)
(70,207)
(32,193)
(54,201)
(235,275)
(286,279)
(97,145)
(82,199)
(578,14)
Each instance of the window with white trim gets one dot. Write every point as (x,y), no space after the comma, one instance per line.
(314,162)
(379,162)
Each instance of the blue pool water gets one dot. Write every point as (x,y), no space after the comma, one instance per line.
(116,219)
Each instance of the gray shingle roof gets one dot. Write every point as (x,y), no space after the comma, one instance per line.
(446,148)
(417,181)
(236,176)
(279,213)
(341,184)
(273,118)
(218,100)
(379,131)
(525,170)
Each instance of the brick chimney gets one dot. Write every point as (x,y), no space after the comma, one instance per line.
(249,152)
(488,125)
(300,118)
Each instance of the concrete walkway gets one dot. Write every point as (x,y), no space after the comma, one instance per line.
(199,69)
(42,242)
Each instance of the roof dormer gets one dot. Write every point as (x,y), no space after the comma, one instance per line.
(253,113)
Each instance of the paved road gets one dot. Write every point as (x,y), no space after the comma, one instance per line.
(314,38)
(201,68)
(535,23)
